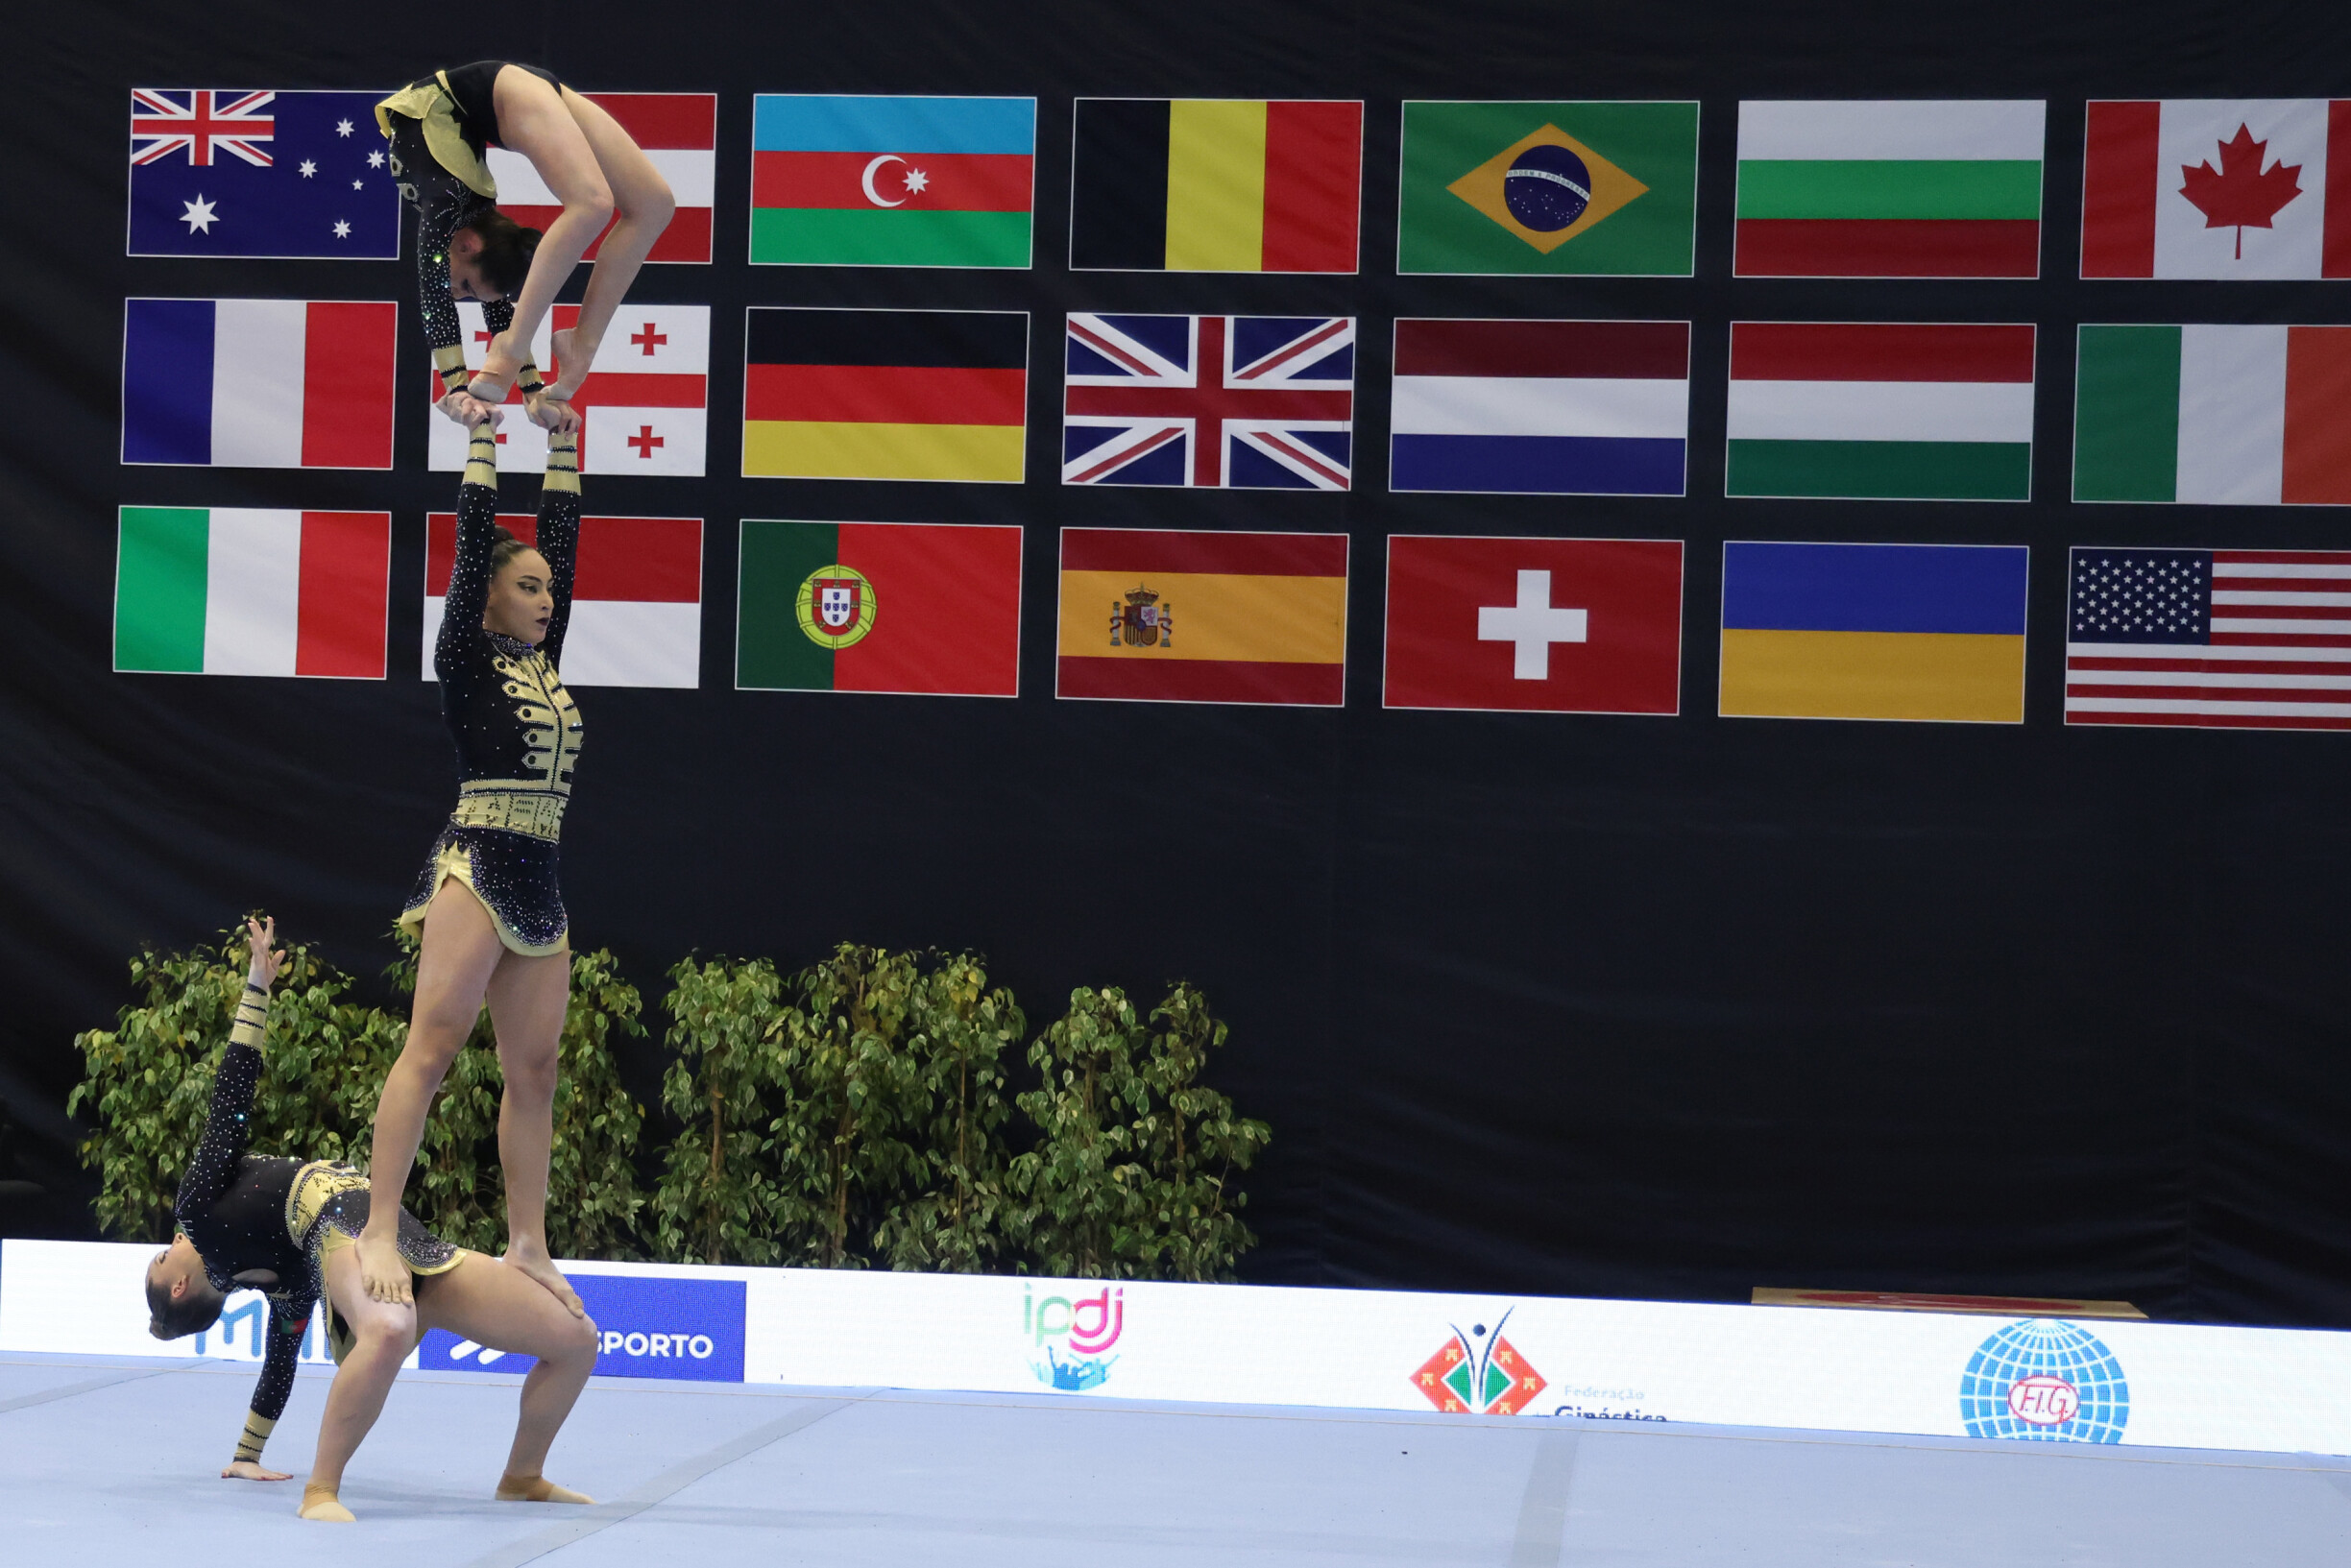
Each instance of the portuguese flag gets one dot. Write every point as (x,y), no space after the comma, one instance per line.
(857,181)
(885,394)
(1890,188)
(909,607)
(246,590)
(1216,184)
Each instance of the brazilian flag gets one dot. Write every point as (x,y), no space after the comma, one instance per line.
(1593,189)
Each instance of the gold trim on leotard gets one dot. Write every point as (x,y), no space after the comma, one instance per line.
(435,107)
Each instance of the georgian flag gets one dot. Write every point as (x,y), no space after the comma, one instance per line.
(645,409)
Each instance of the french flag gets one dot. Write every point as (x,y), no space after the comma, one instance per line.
(1540,407)
(258,383)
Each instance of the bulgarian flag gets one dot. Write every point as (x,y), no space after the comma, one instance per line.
(2217,188)
(1889,411)
(2229,415)
(241,591)
(1890,190)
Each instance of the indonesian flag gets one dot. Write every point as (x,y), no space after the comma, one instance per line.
(636,598)
(678,131)
(645,408)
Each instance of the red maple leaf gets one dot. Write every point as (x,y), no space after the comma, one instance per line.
(2241,194)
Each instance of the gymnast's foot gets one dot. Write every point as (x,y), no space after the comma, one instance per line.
(531,1257)
(321,1504)
(514,1489)
(382,1271)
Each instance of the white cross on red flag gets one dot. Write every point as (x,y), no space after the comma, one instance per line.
(645,408)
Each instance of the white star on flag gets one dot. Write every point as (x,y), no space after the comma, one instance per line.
(375,161)
(358,184)
(199,215)
(343,127)
(917,181)
(341,229)
(308,168)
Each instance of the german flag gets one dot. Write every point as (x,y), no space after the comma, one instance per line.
(885,395)
(1216,184)
(1155,614)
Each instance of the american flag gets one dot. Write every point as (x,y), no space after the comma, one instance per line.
(2257,639)
(197,122)
(1255,402)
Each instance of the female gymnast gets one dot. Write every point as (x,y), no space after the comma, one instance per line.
(440,128)
(492,915)
(286,1227)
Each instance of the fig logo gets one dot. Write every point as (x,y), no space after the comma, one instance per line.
(1074,1335)
(2046,1381)
(1479,1373)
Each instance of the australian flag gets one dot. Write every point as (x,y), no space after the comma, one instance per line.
(1251,403)
(238,173)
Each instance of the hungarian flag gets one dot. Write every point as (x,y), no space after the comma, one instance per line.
(1157,614)
(1890,188)
(678,132)
(2217,188)
(258,383)
(645,409)
(1216,184)
(2228,416)
(1881,410)
(239,590)
(905,607)
(636,597)
(1540,407)
(885,394)
(1599,189)
(1553,626)
(875,182)
(1931,631)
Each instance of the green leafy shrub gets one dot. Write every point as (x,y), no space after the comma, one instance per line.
(717,1199)
(954,1225)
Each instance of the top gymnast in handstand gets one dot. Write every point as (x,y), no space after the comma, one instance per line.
(440,126)
(490,910)
(285,1228)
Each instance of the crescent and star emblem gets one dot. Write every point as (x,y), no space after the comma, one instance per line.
(917,181)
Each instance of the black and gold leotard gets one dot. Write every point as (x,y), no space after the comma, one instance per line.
(273,1221)
(517,729)
(441,128)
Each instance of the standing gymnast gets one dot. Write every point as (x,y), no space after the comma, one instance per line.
(492,915)
(286,1227)
(440,126)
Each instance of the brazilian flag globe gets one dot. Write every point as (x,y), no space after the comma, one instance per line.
(1593,189)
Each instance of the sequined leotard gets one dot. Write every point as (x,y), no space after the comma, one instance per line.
(517,729)
(248,1212)
(440,128)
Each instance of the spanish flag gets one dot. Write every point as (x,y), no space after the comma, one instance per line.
(1152,614)
(1216,184)
(885,395)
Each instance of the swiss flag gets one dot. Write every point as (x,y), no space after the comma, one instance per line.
(1552,625)
(643,409)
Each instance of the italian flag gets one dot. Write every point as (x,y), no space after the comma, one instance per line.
(1890,188)
(2216,188)
(245,591)
(1869,410)
(2228,416)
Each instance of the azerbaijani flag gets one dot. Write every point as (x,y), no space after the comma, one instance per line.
(2229,415)
(1873,631)
(1909,410)
(1216,184)
(885,394)
(2216,188)
(857,181)
(1890,188)
(678,133)
(906,607)
(1159,615)
(240,590)
(636,597)
(258,383)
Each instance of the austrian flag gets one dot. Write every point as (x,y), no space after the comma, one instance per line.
(1243,402)
(645,409)
(679,135)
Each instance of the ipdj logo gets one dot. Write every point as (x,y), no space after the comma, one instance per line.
(1072,1334)
(653,1328)
(2045,1380)
(1479,1372)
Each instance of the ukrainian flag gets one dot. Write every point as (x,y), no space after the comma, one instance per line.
(1929,631)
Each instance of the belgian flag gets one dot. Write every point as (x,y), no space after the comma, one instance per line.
(1216,184)
(885,394)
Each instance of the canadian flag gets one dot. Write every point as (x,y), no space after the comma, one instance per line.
(645,408)
(2213,188)
(678,132)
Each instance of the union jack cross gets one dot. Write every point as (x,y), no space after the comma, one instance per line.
(163,123)
(1253,402)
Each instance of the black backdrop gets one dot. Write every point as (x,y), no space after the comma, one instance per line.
(1638,1007)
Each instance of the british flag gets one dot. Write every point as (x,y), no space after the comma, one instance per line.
(200,122)
(1254,402)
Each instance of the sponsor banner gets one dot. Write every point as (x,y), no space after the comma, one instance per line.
(655,1322)
(2279,1391)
